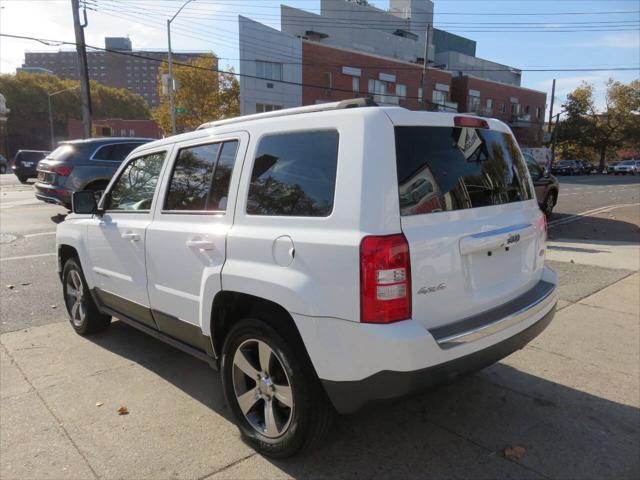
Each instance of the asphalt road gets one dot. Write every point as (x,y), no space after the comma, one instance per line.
(30,289)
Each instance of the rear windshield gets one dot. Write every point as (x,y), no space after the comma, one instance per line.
(62,153)
(445,169)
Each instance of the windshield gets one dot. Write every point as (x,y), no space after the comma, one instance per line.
(628,163)
(445,169)
(62,153)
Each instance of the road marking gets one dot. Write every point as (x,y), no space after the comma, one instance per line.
(25,257)
(587,213)
(29,235)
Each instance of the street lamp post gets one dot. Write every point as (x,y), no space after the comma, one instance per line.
(49,95)
(172,99)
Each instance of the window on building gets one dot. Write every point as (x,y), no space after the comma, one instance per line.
(379,90)
(420,93)
(538,112)
(526,109)
(502,107)
(294,174)
(438,97)
(132,132)
(355,84)
(326,80)
(401,91)
(473,104)
(515,109)
(269,70)
(123,132)
(489,105)
(264,107)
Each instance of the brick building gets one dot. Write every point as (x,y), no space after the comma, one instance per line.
(116,127)
(116,68)
(345,74)
(521,108)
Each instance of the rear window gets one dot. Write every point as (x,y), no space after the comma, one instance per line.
(62,153)
(294,174)
(444,169)
(31,156)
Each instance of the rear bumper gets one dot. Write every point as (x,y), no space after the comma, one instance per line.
(361,363)
(53,194)
(348,397)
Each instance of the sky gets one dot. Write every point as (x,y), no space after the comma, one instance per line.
(603,40)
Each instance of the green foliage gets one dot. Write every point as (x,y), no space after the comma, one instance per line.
(591,134)
(26,95)
(203,93)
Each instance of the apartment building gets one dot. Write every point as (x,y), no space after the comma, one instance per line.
(121,66)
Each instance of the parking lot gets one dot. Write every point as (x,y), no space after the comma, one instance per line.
(566,406)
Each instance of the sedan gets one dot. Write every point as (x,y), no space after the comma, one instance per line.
(628,166)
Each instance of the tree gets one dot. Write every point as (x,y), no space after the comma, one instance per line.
(204,95)
(601,132)
(28,123)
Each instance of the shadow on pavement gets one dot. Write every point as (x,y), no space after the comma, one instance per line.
(459,430)
(58,218)
(593,228)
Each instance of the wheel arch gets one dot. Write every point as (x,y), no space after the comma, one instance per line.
(229,307)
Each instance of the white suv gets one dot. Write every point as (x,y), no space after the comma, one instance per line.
(321,257)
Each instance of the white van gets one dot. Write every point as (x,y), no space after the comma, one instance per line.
(321,257)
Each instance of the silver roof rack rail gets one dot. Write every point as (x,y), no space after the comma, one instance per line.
(322,107)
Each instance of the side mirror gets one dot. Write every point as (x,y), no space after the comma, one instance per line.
(546,172)
(84,202)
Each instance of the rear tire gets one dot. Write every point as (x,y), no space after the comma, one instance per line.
(255,359)
(549,203)
(83,313)
(23,179)
(3,169)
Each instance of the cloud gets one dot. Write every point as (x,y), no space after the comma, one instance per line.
(613,40)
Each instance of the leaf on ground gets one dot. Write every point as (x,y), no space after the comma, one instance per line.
(11,287)
(514,453)
(123,410)
(24,284)
(99,404)
(54,306)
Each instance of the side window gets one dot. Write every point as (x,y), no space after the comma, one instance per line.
(201,177)
(115,151)
(294,174)
(534,170)
(137,183)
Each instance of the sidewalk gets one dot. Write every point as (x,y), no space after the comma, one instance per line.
(571,399)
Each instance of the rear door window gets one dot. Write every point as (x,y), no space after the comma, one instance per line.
(445,169)
(201,177)
(115,151)
(294,174)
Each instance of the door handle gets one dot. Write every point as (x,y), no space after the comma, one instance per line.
(134,237)
(201,244)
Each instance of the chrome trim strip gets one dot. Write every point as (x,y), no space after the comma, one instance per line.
(491,233)
(547,300)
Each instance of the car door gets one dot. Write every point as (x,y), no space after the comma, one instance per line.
(186,242)
(116,239)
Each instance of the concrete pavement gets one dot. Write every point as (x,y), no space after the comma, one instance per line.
(570,399)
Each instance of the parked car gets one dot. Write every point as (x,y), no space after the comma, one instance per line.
(546,185)
(626,166)
(567,167)
(276,247)
(25,163)
(611,166)
(81,165)
(587,167)
(4,164)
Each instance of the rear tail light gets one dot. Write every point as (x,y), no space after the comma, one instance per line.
(385,279)
(62,170)
(470,122)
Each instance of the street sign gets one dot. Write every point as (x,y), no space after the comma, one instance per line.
(181,110)
(546,137)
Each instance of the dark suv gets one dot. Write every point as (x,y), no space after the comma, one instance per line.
(25,163)
(545,185)
(81,165)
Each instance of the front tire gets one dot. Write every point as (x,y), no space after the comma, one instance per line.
(276,398)
(549,203)
(83,313)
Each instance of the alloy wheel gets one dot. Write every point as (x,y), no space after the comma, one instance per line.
(75,298)
(262,388)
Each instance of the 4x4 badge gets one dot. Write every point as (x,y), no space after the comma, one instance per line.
(425,290)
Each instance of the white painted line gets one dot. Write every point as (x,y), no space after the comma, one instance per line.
(25,257)
(587,213)
(29,235)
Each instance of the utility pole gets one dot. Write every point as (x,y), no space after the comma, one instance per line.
(172,93)
(83,71)
(49,95)
(553,99)
(423,79)
(554,137)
